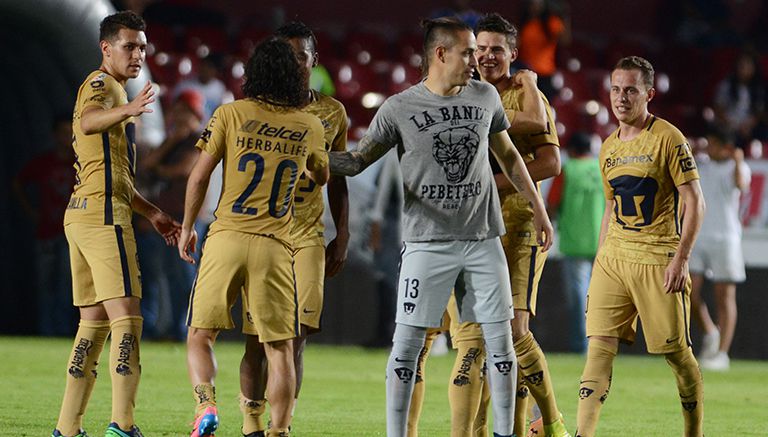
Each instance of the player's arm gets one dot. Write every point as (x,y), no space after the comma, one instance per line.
(692,203)
(197,186)
(512,165)
(320,176)
(545,164)
(96,119)
(354,162)
(338,202)
(609,205)
(740,177)
(163,223)
(533,116)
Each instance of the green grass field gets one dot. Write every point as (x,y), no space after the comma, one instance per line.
(343,393)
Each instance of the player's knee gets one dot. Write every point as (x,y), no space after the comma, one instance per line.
(200,336)
(684,364)
(412,336)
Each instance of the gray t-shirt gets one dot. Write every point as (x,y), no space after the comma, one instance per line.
(449,190)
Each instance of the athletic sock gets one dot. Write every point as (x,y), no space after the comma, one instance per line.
(465,386)
(691,389)
(125,368)
(481,418)
(252,412)
(278,432)
(502,374)
(81,374)
(407,343)
(521,405)
(419,386)
(595,385)
(534,371)
(205,396)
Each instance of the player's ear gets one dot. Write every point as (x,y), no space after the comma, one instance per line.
(440,53)
(106,48)
(315,59)
(651,93)
(512,54)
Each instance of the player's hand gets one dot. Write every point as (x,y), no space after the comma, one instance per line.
(335,256)
(675,275)
(186,245)
(522,75)
(166,226)
(544,230)
(738,154)
(140,103)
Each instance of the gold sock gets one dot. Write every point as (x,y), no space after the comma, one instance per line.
(595,385)
(252,412)
(419,386)
(691,389)
(125,368)
(533,369)
(81,374)
(205,396)
(481,418)
(522,408)
(465,386)
(278,432)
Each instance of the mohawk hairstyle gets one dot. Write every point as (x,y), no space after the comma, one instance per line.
(440,31)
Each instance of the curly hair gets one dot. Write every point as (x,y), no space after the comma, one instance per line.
(273,75)
(495,23)
(297,29)
(637,63)
(110,26)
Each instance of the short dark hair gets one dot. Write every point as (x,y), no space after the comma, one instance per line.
(637,63)
(110,26)
(580,144)
(273,74)
(297,29)
(494,22)
(440,30)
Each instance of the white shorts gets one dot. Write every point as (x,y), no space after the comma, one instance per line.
(718,260)
(430,270)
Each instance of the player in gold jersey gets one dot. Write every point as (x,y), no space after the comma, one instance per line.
(654,208)
(97,223)
(312,260)
(266,143)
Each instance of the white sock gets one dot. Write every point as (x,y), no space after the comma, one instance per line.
(407,343)
(502,375)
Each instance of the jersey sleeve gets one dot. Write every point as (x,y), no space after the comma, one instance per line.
(100,91)
(607,189)
(318,156)
(680,161)
(213,140)
(383,128)
(339,143)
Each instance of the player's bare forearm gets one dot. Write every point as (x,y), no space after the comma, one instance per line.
(609,204)
(533,105)
(193,200)
(513,166)
(546,163)
(693,204)
(338,201)
(140,205)
(97,120)
(352,163)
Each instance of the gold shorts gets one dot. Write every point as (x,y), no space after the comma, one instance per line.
(621,291)
(258,266)
(104,262)
(525,265)
(309,264)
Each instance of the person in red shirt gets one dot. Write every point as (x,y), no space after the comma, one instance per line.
(540,33)
(43,187)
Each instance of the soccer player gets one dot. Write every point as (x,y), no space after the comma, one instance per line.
(718,251)
(653,211)
(266,143)
(442,128)
(532,129)
(312,261)
(97,223)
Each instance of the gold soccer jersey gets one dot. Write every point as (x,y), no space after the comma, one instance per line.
(307,229)
(641,176)
(106,161)
(517,211)
(265,148)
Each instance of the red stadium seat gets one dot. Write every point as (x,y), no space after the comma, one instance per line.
(248,38)
(161,37)
(401,76)
(365,47)
(353,80)
(212,37)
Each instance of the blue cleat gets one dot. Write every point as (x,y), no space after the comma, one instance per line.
(57,433)
(114,431)
(206,424)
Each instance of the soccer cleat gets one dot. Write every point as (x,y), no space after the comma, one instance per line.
(710,343)
(57,433)
(206,423)
(556,429)
(718,362)
(114,431)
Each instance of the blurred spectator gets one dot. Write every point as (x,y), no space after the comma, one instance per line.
(576,199)
(717,253)
(461,9)
(43,187)
(540,33)
(207,82)
(740,101)
(170,165)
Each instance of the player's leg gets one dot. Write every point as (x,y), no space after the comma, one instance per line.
(711,338)
(253,386)
(89,341)
(419,385)
(691,389)
(407,343)
(725,296)
(595,383)
(281,389)
(480,426)
(202,368)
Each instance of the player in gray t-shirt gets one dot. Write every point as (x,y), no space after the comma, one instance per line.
(443,128)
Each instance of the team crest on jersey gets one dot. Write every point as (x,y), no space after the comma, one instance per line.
(409,307)
(454,149)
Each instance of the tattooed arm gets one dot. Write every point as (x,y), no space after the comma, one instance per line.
(514,168)
(354,162)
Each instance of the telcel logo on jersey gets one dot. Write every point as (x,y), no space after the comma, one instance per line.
(266,130)
(624,160)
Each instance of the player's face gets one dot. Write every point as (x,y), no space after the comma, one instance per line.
(126,53)
(629,96)
(494,56)
(305,53)
(460,59)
